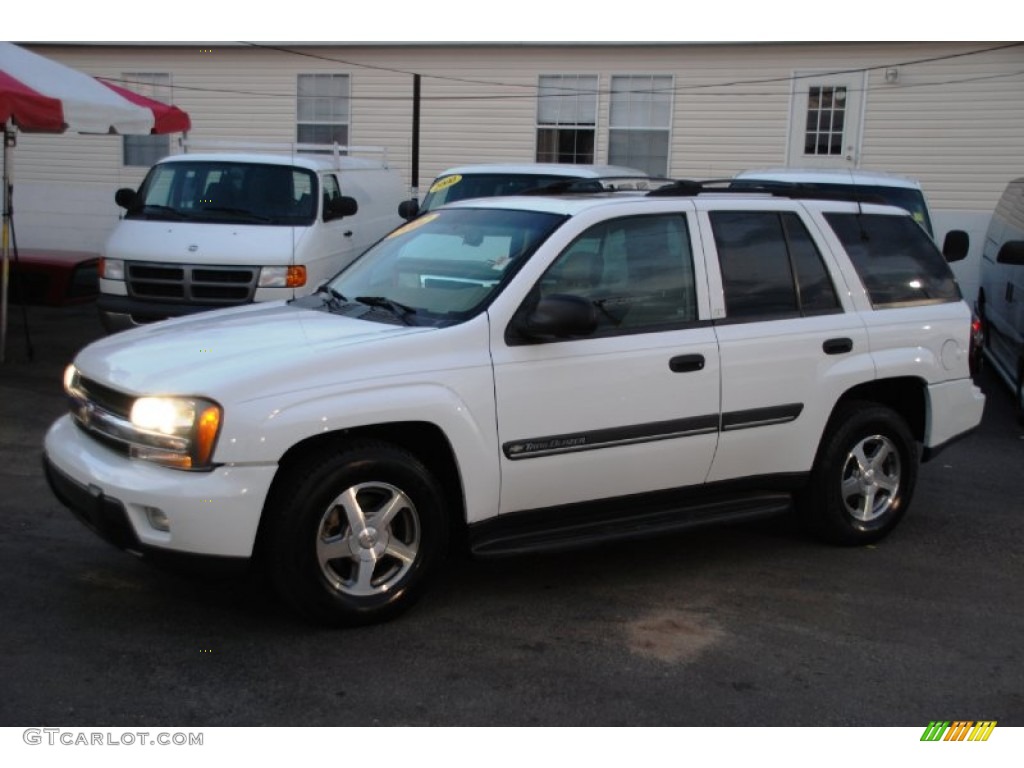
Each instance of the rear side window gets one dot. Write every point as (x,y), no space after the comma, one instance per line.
(895,259)
(770,266)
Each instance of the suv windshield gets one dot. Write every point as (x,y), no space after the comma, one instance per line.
(447,265)
(907,198)
(228,192)
(448,189)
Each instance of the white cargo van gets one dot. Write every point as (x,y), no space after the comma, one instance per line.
(211,230)
(504,179)
(1001,296)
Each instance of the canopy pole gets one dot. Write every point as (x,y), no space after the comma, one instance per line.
(5,239)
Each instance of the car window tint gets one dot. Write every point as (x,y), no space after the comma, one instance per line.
(638,271)
(770,266)
(897,262)
(816,292)
(754,261)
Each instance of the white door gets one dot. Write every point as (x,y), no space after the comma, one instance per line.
(632,407)
(825,122)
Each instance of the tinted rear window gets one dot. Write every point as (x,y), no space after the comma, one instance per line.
(897,262)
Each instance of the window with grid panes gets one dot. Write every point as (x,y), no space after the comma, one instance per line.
(641,115)
(566,118)
(323,109)
(142,150)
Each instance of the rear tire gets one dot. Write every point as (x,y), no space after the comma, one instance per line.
(863,478)
(355,536)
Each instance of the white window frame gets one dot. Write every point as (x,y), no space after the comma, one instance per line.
(642,113)
(570,104)
(855,85)
(316,107)
(142,151)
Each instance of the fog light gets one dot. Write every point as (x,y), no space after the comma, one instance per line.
(157,519)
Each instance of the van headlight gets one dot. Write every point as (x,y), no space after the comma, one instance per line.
(177,432)
(111,269)
(283,277)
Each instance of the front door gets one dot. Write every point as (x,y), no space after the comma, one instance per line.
(632,407)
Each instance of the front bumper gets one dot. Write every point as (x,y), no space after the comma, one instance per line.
(214,513)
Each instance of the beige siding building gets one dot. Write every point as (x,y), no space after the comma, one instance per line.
(948,114)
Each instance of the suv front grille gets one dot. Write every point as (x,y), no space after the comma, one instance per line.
(192,283)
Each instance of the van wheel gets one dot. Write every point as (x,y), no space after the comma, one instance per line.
(355,537)
(863,478)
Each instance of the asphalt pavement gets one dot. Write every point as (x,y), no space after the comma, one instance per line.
(742,625)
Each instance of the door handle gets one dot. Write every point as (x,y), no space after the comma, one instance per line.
(347,233)
(686,363)
(837,346)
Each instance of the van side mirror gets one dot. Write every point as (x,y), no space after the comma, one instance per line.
(340,207)
(1012,253)
(408,209)
(956,245)
(126,198)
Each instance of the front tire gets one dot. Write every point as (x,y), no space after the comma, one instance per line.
(355,537)
(863,478)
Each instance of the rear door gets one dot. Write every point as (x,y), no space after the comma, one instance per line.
(789,347)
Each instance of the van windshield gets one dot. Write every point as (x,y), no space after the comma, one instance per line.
(442,267)
(228,192)
(454,186)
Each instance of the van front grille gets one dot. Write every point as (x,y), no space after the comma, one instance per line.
(192,283)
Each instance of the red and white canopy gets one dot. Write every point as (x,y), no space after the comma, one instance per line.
(41,95)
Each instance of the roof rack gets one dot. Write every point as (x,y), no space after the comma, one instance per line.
(789,189)
(231,145)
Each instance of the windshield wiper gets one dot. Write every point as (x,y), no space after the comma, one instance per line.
(237,212)
(333,296)
(159,209)
(399,310)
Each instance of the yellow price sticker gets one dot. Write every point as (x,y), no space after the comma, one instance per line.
(414,224)
(447,181)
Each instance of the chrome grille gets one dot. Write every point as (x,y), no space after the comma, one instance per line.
(191,283)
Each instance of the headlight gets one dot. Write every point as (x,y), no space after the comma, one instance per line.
(178,432)
(112,269)
(282,277)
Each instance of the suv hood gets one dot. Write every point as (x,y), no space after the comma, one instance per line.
(212,352)
(190,242)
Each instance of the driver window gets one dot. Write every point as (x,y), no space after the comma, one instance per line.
(331,189)
(638,272)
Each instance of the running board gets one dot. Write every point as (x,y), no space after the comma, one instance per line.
(587,524)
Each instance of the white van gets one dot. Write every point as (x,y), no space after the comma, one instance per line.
(212,230)
(1001,296)
(503,179)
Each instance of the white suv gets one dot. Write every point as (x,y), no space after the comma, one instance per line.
(531,373)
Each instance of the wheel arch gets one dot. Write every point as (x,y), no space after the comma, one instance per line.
(906,395)
(424,440)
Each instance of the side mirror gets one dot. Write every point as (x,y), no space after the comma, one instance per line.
(408,209)
(1012,253)
(956,245)
(559,316)
(126,198)
(340,207)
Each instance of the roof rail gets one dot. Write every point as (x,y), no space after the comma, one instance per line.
(789,189)
(338,150)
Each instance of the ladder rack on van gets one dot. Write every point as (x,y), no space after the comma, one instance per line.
(338,150)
